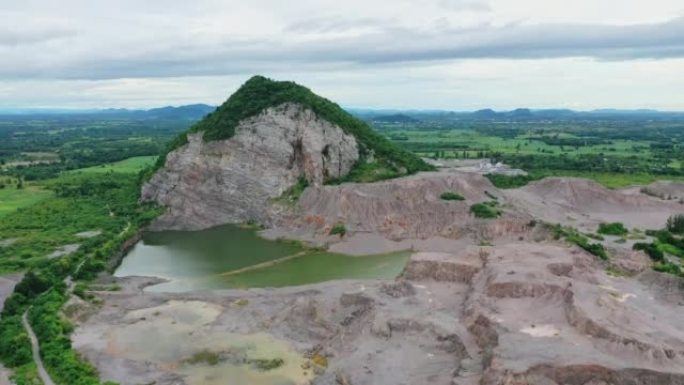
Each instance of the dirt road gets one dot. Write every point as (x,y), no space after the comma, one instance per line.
(44,376)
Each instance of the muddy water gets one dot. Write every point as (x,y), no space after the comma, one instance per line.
(231,257)
(171,336)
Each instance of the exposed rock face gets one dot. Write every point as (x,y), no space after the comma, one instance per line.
(204,184)
(584,326)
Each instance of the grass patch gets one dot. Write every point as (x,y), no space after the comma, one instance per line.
(595,236)
(573,236)
(614,272)
(12,198)
(615,228)
(264,365)
(487,210)
(292,195)
(611,180)
(451,196)
(338,229)
(132,165)
(319,360)
(204,357)
(669,268)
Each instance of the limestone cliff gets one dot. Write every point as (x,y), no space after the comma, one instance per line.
(261,142)
(208,183)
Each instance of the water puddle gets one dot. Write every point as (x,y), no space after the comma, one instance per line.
(230,257)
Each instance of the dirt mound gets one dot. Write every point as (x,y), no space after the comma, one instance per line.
(665,190)
(584,203)
(403,208)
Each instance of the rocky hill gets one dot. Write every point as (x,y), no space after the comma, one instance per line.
(266,139)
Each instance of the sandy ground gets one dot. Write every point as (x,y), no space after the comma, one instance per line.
(64,250)
(4,376)
(369,243)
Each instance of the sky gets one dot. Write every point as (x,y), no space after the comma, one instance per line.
(409,54)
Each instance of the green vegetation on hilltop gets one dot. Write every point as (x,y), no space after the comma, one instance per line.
(260,93)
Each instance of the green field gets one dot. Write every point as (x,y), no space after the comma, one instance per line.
(472,142)
(127,166)
(616,157)
(613,180)
(12,198)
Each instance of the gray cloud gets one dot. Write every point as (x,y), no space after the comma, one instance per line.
(379,42)
(472,5)
(14,37)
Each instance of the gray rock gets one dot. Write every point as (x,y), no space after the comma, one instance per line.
(380,328)
(209,183)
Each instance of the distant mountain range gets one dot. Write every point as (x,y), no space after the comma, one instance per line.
(520,114)
(394,118)
(195,112)
(188,112)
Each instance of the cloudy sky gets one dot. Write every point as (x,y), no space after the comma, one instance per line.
(446,54)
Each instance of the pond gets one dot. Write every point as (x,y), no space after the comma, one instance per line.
(228,257)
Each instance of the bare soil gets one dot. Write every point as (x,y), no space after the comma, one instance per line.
(480,301)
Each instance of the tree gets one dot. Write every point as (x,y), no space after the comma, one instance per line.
(675,224)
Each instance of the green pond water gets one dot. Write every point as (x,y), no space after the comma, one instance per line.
(231,257)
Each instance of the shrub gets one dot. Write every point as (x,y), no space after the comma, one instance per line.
(338,229)
(508,181)
(485,210)
(572,236)
(651,250)
(15,346)
(491,196)
(615,228)
(595,236)
(596,249)
(291,196)
(451,196)
(668,267)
